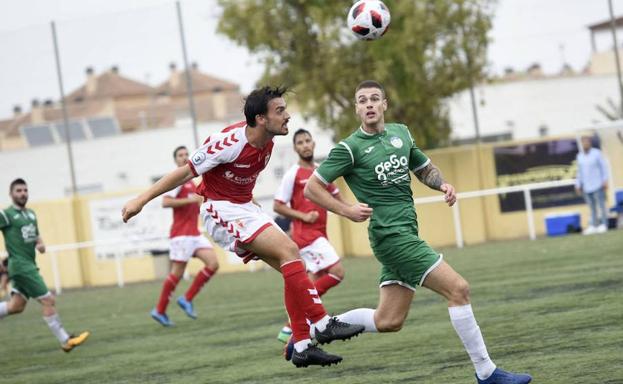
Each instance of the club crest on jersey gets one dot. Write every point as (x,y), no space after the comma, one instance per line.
(229,174)
(396,141)
(198,158)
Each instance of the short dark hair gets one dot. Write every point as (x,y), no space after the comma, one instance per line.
(18,181)
(300,131)
(257,102)
(370,84)
(179,149)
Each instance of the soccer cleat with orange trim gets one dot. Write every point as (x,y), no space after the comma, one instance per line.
(75,341)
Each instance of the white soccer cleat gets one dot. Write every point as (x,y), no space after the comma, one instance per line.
(590,230)
(602,229)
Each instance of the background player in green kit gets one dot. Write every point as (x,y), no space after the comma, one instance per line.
(21,237)
(376,161)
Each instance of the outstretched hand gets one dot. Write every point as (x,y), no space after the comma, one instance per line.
(449,193)
(131,209)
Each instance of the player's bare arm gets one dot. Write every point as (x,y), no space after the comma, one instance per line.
(176,178)
(315,191)
(40,245)
(431,177)
(291,213)
(173,202)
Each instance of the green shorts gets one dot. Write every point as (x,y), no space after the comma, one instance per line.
(405,258)
(29,285)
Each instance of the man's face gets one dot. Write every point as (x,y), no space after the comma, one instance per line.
(19,195)
(304,146)
(370,105)
(277,117)
(587,143)
(181,157)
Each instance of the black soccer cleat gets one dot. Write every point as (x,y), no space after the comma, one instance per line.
(338,330)
(314,356)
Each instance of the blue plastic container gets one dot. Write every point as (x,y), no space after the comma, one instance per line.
(559,224)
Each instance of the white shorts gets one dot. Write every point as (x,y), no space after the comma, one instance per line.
(231,224)
(319,255)
(183,248)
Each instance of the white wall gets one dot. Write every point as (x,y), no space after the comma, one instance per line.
(132,160)
(562,104)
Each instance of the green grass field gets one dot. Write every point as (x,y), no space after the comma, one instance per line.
(552,307)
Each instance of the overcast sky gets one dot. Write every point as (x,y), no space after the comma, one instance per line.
(141,37)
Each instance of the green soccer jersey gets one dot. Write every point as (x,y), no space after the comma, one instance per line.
(20,230)
(376,168)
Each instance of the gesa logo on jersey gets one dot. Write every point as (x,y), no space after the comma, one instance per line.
(394,170)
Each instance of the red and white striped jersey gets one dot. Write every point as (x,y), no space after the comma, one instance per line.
(291,191)
(184,217)
(229,165)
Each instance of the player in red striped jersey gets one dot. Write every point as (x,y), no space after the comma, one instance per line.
(309,221)
(230,162)
(186,242)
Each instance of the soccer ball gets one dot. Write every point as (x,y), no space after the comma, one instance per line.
(368,19)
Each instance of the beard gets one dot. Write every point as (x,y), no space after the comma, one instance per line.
(20,202)
(309,158)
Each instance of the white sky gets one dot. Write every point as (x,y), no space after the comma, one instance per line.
(141,37)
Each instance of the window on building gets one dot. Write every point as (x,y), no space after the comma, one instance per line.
(38,135)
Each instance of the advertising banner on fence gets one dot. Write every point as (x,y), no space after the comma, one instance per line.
(533,163)
(147,231)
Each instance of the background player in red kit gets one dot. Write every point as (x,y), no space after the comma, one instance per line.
(309,221)
(186,242)
(230,162)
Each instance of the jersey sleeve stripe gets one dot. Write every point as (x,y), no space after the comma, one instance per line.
(352,158)
(422,166)
(5,218)
(320,178)
(192,168)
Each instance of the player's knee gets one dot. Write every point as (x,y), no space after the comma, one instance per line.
(213,265)
(338,271)
(16,307)
(388,322)
(392,324)
(49,301)
(289,251)
(460,292)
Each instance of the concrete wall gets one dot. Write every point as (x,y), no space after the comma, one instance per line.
(562,104)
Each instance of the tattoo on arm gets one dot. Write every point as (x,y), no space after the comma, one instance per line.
(430,176)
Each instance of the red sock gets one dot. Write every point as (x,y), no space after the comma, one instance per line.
(301,299)
(325,282)
(167,288)
(202,277)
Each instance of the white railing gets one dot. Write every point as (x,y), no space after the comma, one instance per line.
(53,250)
(525,188)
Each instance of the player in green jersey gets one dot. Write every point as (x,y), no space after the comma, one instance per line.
(376,161)
(21,237)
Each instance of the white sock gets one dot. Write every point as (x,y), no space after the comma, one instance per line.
(321,325)
(468,330)
(4,309)
(54,323)
(302,345)
(362,316)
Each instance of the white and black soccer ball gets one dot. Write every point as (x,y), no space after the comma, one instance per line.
(368,19)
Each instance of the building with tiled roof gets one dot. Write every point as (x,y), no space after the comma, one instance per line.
(110,103)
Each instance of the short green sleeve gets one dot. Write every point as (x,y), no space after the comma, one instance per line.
(339,163)
(417,158)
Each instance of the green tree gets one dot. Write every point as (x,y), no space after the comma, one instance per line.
(433,49)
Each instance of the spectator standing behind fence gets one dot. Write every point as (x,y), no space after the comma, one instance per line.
(592,182)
